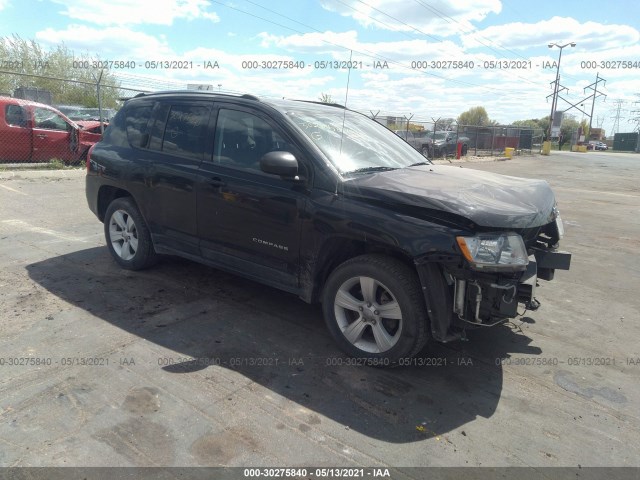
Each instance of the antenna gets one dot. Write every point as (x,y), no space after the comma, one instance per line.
(346,97)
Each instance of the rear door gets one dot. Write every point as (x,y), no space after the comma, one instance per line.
(180,138)
(250,221)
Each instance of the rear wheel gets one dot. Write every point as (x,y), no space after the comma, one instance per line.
(127,235)
(374,308)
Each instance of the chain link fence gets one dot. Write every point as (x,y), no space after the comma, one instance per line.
(437,140)
(35,127)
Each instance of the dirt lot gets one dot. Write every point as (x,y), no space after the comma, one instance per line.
(185,365)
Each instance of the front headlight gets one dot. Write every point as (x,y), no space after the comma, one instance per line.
(494,251)
(558,220)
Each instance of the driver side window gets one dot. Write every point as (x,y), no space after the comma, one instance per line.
(241,139)
(49,120)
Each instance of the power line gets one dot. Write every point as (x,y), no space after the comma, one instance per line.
(369,54)
(446,17)
(440,40)
(399,21)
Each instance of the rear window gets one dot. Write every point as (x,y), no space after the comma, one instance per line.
(184,133)
(15,116)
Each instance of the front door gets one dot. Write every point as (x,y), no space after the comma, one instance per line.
(53,136)
(248,220)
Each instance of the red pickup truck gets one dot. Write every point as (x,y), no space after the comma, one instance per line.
(34,132)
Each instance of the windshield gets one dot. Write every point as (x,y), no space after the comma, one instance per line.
(363,145)
(437,135)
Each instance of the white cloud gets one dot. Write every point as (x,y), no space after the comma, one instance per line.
(126,12)
(112,43)
(435,17)
(315,42)
(588,35)
(340,46)
(4,4)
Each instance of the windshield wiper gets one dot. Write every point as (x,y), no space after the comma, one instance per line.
(420,163)
(371,169)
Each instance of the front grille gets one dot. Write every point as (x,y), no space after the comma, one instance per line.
(530,235)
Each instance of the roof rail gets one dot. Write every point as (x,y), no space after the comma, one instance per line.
(182,91)
(337,105)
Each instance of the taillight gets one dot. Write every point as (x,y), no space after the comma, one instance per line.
(89,156)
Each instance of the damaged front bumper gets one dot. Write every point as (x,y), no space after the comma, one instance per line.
(482,299)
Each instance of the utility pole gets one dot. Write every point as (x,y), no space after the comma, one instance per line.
(616,119)
(635,118)
(98,80)
(594,87)
(556,86)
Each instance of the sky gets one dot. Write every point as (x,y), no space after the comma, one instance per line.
(419,59)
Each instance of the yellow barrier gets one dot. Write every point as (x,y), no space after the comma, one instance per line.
(546,148)
(508,152)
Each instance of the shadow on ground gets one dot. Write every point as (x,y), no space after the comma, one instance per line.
(281,343)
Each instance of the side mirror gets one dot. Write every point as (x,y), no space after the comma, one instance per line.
(279,163)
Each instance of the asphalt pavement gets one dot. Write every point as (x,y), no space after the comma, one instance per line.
(184,365)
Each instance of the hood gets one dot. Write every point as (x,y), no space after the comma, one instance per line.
(487,199)
(88,124)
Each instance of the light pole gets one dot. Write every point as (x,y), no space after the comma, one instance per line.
(554,102)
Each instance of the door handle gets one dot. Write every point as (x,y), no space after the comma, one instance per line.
(217,182)
(41,135)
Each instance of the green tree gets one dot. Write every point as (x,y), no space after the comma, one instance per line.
(585,129)
(475,116)
(43,69)
(568,128)
(535,123)
(445,123)
(325,98)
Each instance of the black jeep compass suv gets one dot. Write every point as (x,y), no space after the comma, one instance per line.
(326,203)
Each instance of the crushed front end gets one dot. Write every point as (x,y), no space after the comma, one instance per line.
(495,272)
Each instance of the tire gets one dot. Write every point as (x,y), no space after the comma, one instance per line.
(81,159)
(127,235)
(465,148)
(425,151)
(356,320)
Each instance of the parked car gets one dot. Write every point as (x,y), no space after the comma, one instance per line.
(327,204)
(86,113)
(35,132)
(415,139)
(443,143)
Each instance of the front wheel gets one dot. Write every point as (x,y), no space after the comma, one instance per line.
(374,308)
(127,235)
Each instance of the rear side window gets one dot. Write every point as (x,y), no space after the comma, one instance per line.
(184,133)
(137,125)
(15,116)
